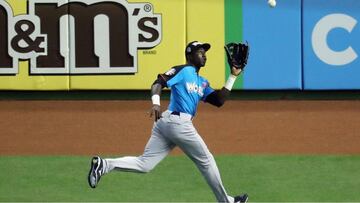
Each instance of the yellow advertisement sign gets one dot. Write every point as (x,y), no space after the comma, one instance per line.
(206,23)
(152,61)
(97,44)
(14,70)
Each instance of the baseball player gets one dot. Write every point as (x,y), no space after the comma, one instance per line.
(174,126)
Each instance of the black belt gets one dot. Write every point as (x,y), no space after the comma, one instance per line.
(178,114)
(175,113)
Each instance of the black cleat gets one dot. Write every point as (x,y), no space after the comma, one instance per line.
(241,198)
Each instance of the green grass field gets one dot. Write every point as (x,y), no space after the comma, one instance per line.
(265,178)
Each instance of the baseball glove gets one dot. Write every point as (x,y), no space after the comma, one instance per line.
(237,54)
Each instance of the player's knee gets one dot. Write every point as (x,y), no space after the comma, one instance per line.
(146,165)
(146,168)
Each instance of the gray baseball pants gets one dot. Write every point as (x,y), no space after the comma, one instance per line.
(168,132)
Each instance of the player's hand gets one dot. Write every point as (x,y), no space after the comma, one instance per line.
(235,71)
(156,112)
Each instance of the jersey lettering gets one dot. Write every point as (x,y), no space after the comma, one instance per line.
(170,72)
(194,88)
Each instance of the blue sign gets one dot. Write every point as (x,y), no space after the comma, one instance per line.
(274,35)
(331,43)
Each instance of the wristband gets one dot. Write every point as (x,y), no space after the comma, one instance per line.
(230,82)
(155,99)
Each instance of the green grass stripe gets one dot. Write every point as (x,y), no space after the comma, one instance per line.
(233,31)
(266,178)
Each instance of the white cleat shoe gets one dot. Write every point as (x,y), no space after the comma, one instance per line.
(96,171)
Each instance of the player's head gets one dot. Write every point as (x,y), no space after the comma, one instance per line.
(195,53)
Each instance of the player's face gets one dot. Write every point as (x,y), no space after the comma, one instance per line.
(198,58)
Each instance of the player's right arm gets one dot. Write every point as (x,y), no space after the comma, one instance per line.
(163,80)
(156,89)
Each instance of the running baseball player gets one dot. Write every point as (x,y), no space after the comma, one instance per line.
(174,126)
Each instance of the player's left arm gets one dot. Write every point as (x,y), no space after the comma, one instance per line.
(218,97)
(237,55)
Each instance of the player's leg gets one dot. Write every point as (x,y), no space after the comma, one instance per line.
(187,138)
(157,148)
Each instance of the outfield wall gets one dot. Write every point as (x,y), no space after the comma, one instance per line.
(123,45)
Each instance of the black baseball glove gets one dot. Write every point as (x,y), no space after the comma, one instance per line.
(237,54)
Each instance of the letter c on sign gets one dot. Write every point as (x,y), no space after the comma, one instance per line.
(319,39)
